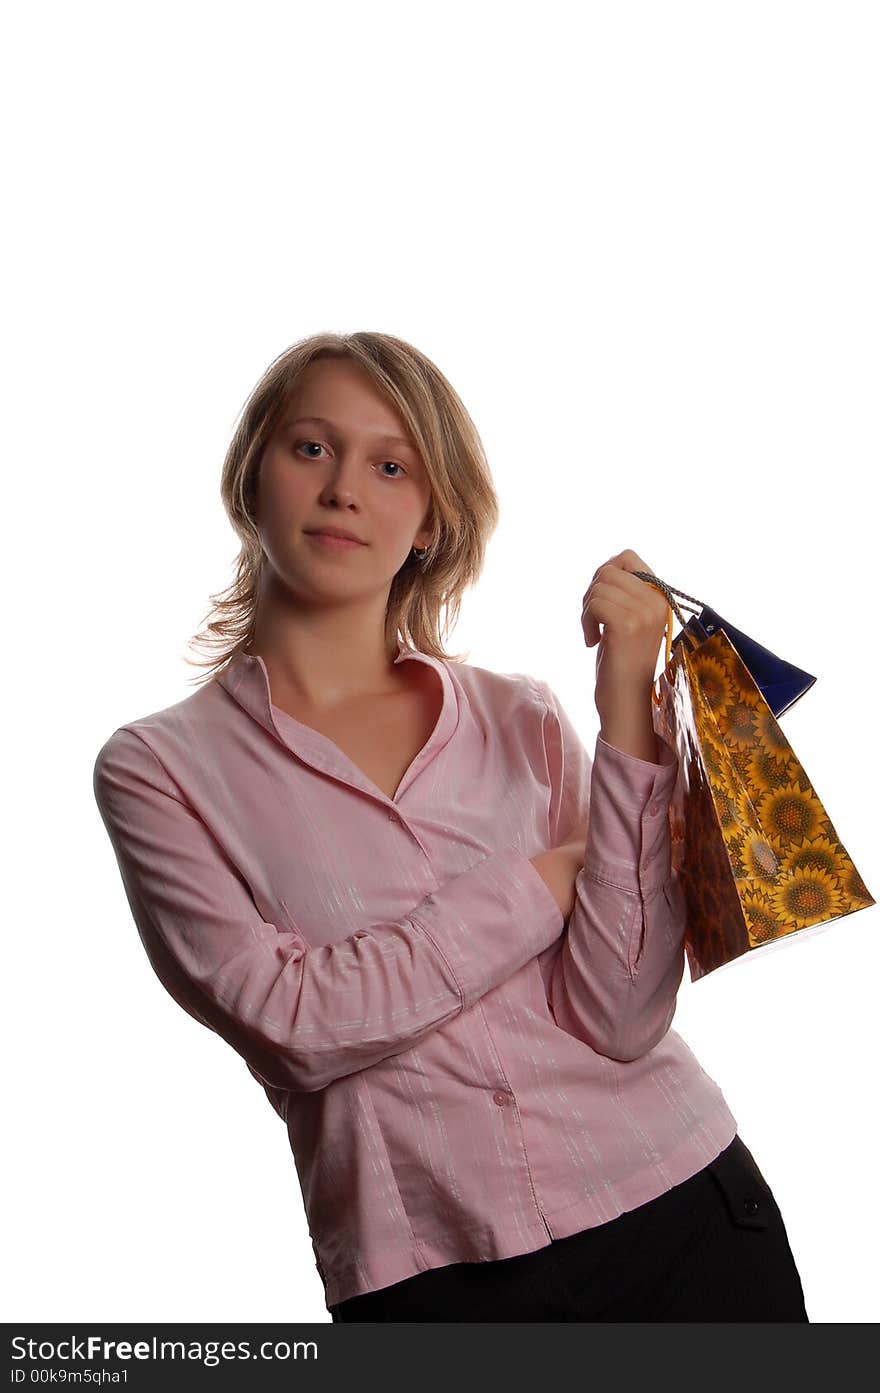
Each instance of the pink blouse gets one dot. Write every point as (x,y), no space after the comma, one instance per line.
(464,1074)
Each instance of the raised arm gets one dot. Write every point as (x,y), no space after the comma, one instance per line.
(615,979)
(303,1016)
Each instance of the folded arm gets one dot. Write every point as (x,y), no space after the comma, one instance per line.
(302,1016)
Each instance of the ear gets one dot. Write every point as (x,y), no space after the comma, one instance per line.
(425,534)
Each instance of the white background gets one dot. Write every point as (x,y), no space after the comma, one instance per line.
(641,241)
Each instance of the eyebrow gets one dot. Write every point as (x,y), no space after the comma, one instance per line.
(322,421)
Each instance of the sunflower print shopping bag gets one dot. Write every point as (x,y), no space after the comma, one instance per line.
(757,856)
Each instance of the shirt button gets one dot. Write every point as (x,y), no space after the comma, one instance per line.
(654,809)
(392,817)
(751,1206)
(501,1098)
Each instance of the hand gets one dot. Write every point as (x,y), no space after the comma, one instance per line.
(559,868)
(578,834)
(633,616)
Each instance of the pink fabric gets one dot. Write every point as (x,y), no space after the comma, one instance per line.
(463,1074)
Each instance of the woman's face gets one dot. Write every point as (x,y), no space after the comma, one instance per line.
(349,470)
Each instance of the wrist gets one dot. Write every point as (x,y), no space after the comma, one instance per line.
(639,742)
(630,728)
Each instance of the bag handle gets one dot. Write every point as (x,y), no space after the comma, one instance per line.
(668,591)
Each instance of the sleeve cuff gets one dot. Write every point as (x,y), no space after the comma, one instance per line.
(668,758)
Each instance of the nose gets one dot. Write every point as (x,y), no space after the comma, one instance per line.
(339,485)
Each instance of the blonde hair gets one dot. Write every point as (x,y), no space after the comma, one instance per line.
(463,510)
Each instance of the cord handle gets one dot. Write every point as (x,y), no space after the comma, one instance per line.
(669,591)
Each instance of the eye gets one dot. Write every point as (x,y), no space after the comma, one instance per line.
(299,444)
(394,465)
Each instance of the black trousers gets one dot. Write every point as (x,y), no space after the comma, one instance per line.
(713,1248)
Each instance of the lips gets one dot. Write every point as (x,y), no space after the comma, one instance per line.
(334,532)
(330,543)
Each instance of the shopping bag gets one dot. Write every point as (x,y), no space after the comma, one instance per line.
(757,856)
(781,683)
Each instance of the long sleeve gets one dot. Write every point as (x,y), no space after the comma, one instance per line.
(302,1016)
(615,979)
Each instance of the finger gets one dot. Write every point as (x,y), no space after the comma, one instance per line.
(603,601)
(615,576)
(631,615)
(603,595)
(627,560)
(613,569)
(631,561)
(628,586)
(605,609)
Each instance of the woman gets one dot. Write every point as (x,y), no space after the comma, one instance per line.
(444,939)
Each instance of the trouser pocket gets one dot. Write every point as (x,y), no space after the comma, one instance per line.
(748,1197)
